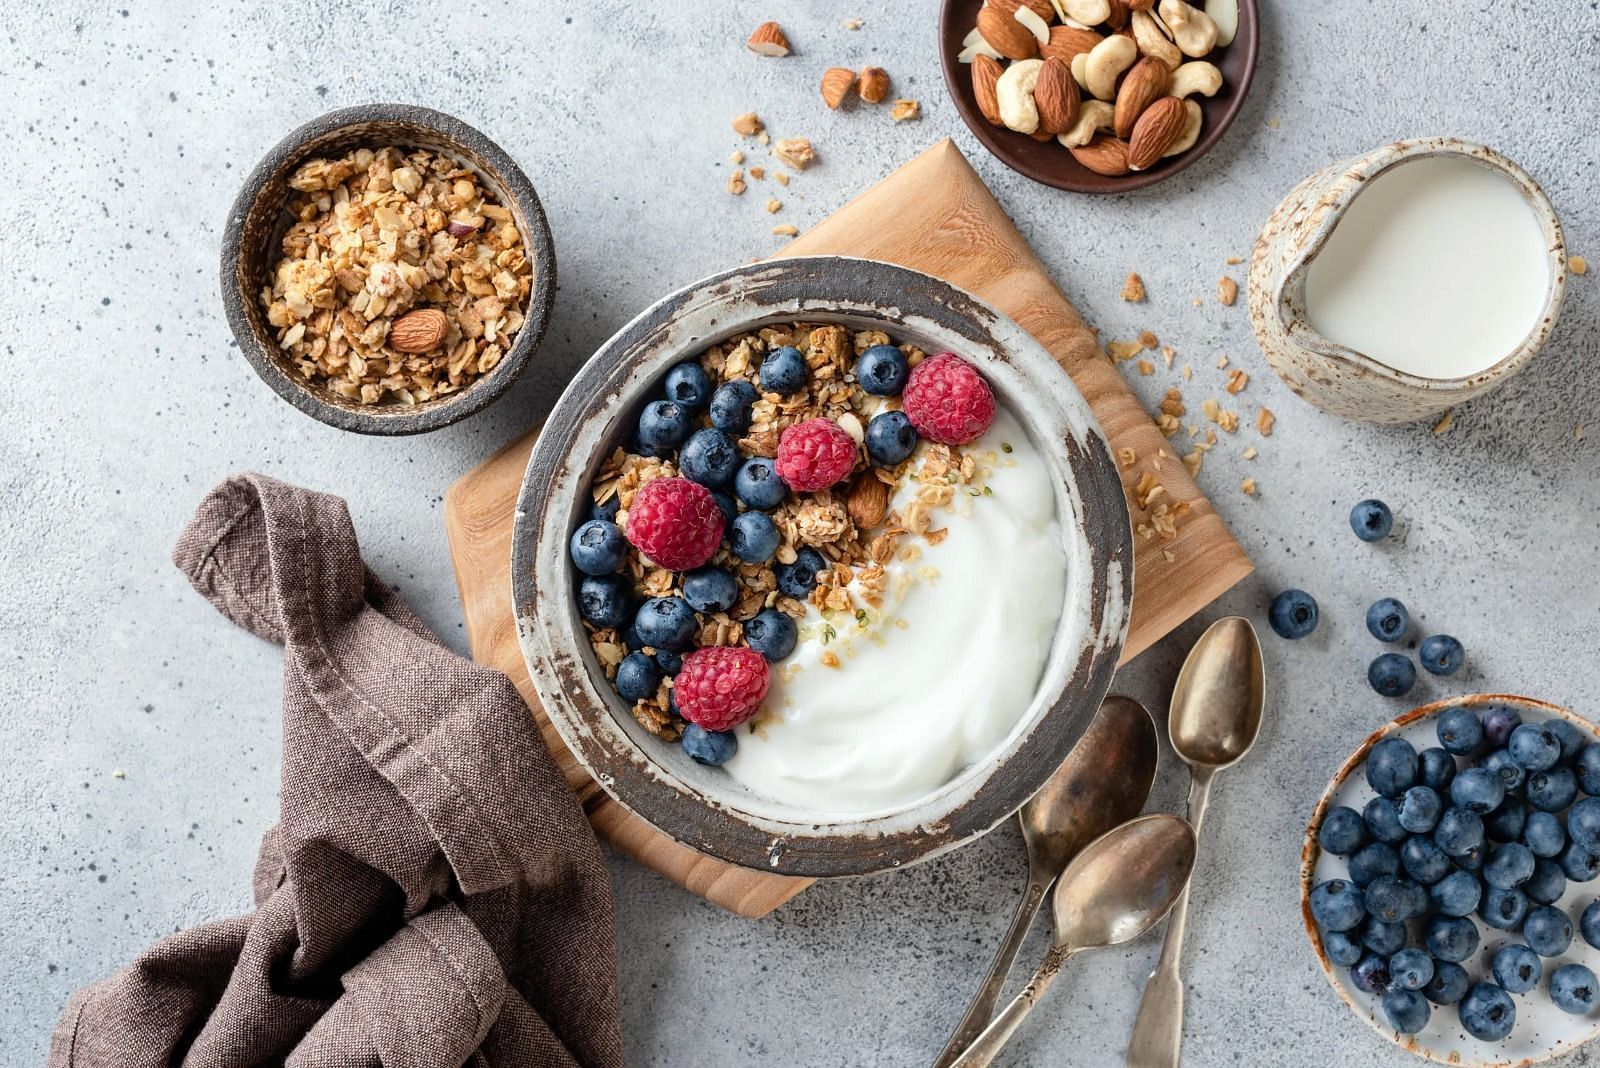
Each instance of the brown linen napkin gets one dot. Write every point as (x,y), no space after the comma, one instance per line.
(431,895)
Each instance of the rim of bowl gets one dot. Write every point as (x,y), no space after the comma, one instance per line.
(1026,156)
(339,129)
(638,770)
(1311,852)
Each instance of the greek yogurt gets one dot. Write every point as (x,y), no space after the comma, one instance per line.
(876,712)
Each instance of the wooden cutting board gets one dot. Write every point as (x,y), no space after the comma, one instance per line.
(934,215)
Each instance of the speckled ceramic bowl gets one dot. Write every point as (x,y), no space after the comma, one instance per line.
(1542,1031)
(704,807)
(257,222)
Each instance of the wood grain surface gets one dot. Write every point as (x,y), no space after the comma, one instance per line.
(957,232)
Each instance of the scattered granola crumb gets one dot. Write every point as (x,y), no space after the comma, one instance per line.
(1127,457)
(1198,302)
(736,156)
(1238,378)
(1168,555)
(782,178)
(1146,367)
(1250,453)
(1188,373)
(748,124)
(785,230)
(1273,122)
(1446,421)
(773,205)
(1167,353)
(1222,362)
(118,773)
(1229,421)
(905,110)
(763,138)
(1227,290)
(1249,487)
(1133,289)
(852,23)
(1577,265)
(758,172)
(1577,431)
(1264,421)
(736,184)
(1123,350)
(1192,462)
(1233,261)
(1210,408)
(795,152)
(1148,339)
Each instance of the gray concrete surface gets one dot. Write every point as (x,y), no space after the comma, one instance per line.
(126,131)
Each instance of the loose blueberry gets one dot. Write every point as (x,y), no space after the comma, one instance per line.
(666,623)
(605,600)
(1477,790)
(710,589)
(1573,989)
(598,547)
(1371,520)
(1448,985)
(1341,948)
(1459,832)
(1441,654)
(1578,864)
(663,425)
(1498,723)
(1391,767)
(1435,768)
(709,458)
(1500,764)
(1504,910)
(1587,765)
(1293,614)
(1572,739)
(754,537)
(1394,900)
(1419,810)
(1547,930)
(772,634)
(1371,861)
(1424,861)
(1544,834)
(1336,905)
(784,371)
(1371,974)
(890,438)
(1534,746)
(638,677)
(1517,968)
(1382,937)
(1388,620)
(1452,938)
(1342,831)
(1589,924)
(1410,969)
(1487,1012)
(757,484)
(1583,824)
(731,406)
(1510,865)
(1505,823)
(1460,731)
(882,370)
(1382,817)
(1392,675)
(1407,1010)
(798,579)
(1457,894)
(709,747)
(1553,790)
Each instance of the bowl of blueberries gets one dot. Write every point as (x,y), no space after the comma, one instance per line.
(1448,881)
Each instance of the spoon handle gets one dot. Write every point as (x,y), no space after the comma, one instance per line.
(992,1040)
(1157,1039)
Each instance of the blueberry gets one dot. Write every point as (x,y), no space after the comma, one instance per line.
(1572,988)
(772,634)
(1472,860)
(890,438)
(1589,924)
(1477,790)
(1382,818)
(1572,739)
(1336,905)
(1583,824)
(731,405)
(1498,723)
(598,547)
(1544,834)
(882,370)
(710,589)
(784,371)
(1419,810)
(1509,865)
(630,635)
(1371,520)
(1502,909)
(1487,1012)
(1517,968)
(1448,985)
(1553,790)
(1383,938)
(607,509)
(1435,768)
(1342,831)
(1459,831)
(663,425)
(757,484)
(666,623)
(1534,746)
(709,458)
(669,663)
(1578,864)
(605,600)
(1587,766)
(1457,894)
(1460,731)
(1499,763)
(1410,969)
(1547,930)
(689,385)
(754,538)
(1371,861)
(1505,823)
(1407,1010)
(1547,883)
(725,505)
(1452,938)
(1371,974)
(1394,900)
(1392,675)
(1441,654)
(1392,767)
(709,747)
(798,579)
(638,677)
(1293,614)
(1388,620)
(1341,948)
(1424,861)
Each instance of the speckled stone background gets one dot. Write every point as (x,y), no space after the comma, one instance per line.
(126,132)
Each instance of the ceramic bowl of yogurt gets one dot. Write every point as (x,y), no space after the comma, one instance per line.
(888,735)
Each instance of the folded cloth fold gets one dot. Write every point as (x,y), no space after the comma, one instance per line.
(431,894)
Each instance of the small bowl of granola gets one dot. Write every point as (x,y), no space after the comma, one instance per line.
(821,566)
(388,269)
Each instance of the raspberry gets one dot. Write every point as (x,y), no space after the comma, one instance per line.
(815,454)
(675,522)
(720,688)
(947,400)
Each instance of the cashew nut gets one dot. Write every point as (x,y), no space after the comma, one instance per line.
(1014,91)
(1225,13)
(1093,116)
(1192,29)
(1152,40)
(1080,61)
(1199,77)
(1106,63)
(1191,130)
(1088,12)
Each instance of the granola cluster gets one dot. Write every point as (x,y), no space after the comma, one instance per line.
(380,234)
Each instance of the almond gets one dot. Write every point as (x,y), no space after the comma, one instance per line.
(418,331)
(1041,8)
(985,76)
(1056,96)
(1144,84)
(1104,155)
(768,40)
(1008,36)
(1068,41)
(1118,18)
(1156,131)
(836,85)
(873,84)
(1140,5)
(868,501)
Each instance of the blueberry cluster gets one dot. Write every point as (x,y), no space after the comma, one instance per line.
(1471,827)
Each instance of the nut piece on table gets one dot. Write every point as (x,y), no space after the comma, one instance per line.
(1055,95)
(1005,34)
(418,331)
(836,85)
(795,152)
(1018,110)
(1104,155)
(985,76)
(1157,130)
(747,125)
(1145,83)
(768,40)
(873,84)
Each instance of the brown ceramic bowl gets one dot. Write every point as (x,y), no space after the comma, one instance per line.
(704,807)
(1048,161)
(257,222)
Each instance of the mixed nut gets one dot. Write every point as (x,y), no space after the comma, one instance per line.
(1112,81)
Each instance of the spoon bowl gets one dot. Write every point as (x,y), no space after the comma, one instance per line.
(1123,882)
(1219,695)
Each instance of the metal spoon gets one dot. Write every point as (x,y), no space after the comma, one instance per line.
(1104,781)
(1215,715)
(1119,887)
